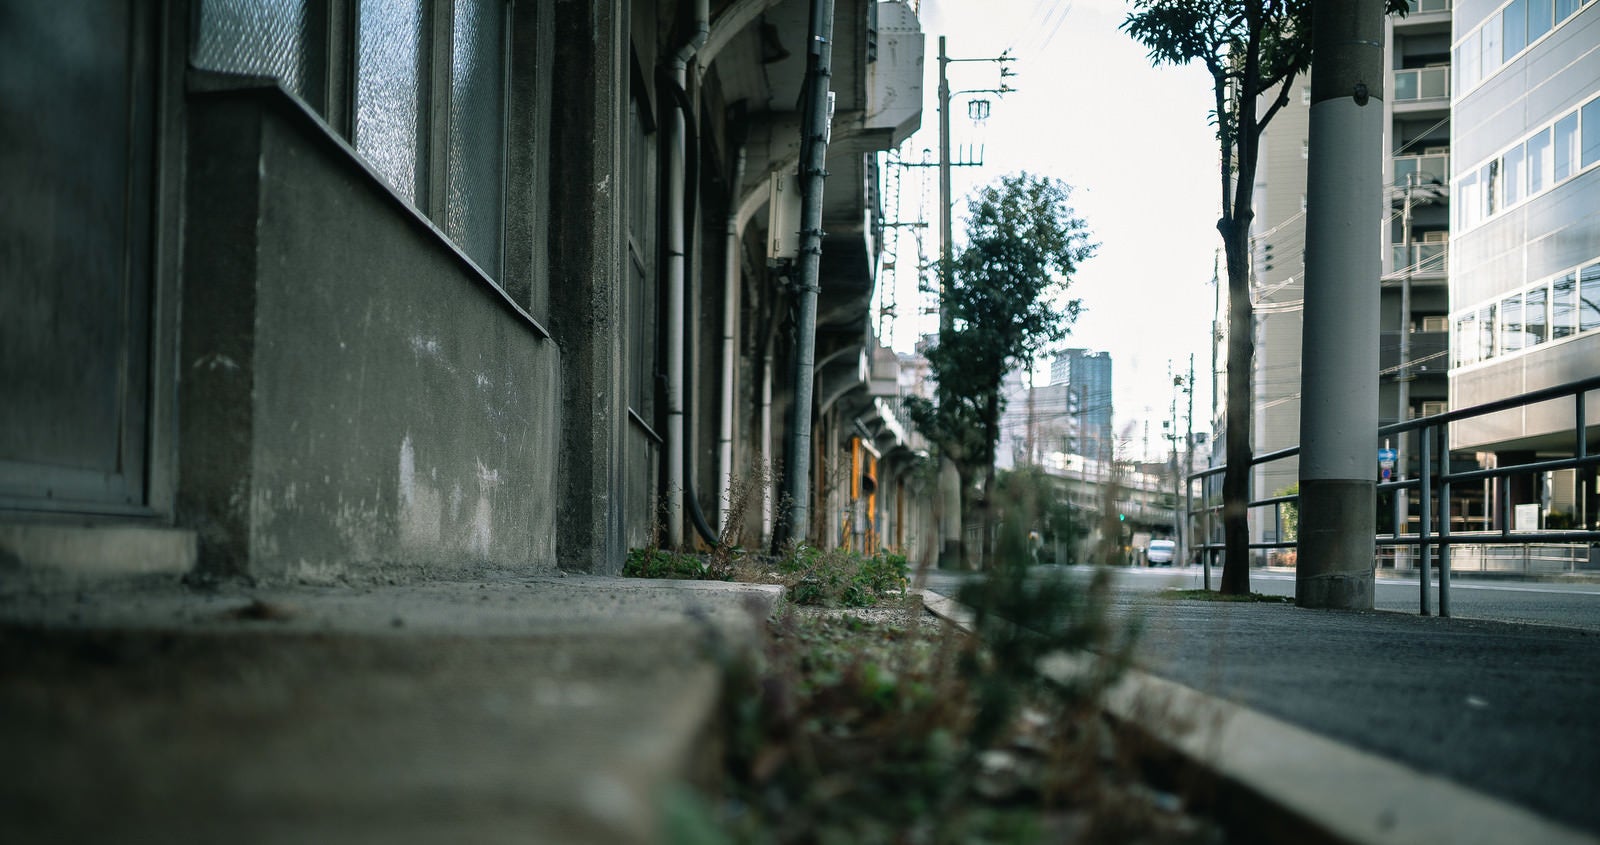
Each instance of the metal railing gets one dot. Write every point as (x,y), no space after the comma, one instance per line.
(1505,548)
(1423,259)
(1428,168)
(1423,83)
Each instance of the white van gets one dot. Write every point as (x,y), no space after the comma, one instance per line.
(1160,552)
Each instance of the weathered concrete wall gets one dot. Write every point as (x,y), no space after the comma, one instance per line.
(356,398)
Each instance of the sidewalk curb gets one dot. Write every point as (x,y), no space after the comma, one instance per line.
(1283,783)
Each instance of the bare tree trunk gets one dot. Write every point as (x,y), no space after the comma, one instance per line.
(1241,352)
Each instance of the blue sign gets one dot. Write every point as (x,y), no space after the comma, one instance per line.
(1387,456)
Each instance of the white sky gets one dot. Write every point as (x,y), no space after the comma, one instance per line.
(1136,145)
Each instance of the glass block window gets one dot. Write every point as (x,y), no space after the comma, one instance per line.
(389,91)
(276,38)
(475,196)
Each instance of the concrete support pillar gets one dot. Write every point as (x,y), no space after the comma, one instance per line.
(587,236)
(1339,381)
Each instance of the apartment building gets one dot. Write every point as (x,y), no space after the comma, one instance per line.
(1524,256)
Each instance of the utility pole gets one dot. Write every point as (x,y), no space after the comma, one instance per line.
(1185,537)
(1339,414)
(1403,375)
(813,170)
(949,478)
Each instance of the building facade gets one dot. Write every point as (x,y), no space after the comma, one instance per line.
(1525,242)
(326,290)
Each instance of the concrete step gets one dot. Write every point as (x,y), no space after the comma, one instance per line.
(521,709)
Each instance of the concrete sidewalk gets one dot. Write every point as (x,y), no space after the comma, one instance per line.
(514,709)
(1380,727)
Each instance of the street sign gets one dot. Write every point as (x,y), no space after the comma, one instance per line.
(1386,459)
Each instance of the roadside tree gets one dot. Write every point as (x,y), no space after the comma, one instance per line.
(1023,244)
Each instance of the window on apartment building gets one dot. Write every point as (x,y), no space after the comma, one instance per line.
(1591,132)
(1566,9)
(1486,317)
(1515,35)
(1469,61)
(1511,327)
(1492,57)
(1566,148)
(1539,20)
(1489,179)
(426,102)
(1535,319)
(1305,95)
(1469,209)
(1539,161)
(1514,170)
(1589,298)
(1465,345)
(1564,306)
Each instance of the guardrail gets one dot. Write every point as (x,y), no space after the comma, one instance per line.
(1433,484)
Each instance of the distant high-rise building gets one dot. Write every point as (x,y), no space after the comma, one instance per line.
(1087,378)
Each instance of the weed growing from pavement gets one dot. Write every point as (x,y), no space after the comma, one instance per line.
(899,729)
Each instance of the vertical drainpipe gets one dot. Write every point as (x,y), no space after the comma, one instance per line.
(730,316)
(813,163)
(676,260)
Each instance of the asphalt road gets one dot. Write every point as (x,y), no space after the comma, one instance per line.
(1575,605)
(1566,605)
(1505,709)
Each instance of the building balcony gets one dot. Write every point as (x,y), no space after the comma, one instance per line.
(1423,83)
(1420,93)
(1421,261)
(1432,169)
(1426,352)
(1426,16)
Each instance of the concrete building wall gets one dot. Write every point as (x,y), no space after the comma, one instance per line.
(347,410)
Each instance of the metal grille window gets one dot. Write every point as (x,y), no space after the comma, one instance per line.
(641,250)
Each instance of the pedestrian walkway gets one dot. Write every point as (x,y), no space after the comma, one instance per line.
(1504,710)
(509,709)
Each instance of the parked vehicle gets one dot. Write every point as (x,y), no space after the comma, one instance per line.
(1160,552)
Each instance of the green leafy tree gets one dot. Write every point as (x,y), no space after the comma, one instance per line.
(1254,50)
(1023,244)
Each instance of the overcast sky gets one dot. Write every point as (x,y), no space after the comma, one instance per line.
(1134,142)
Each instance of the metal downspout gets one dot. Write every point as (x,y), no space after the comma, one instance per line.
(730,316)
(676,248)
